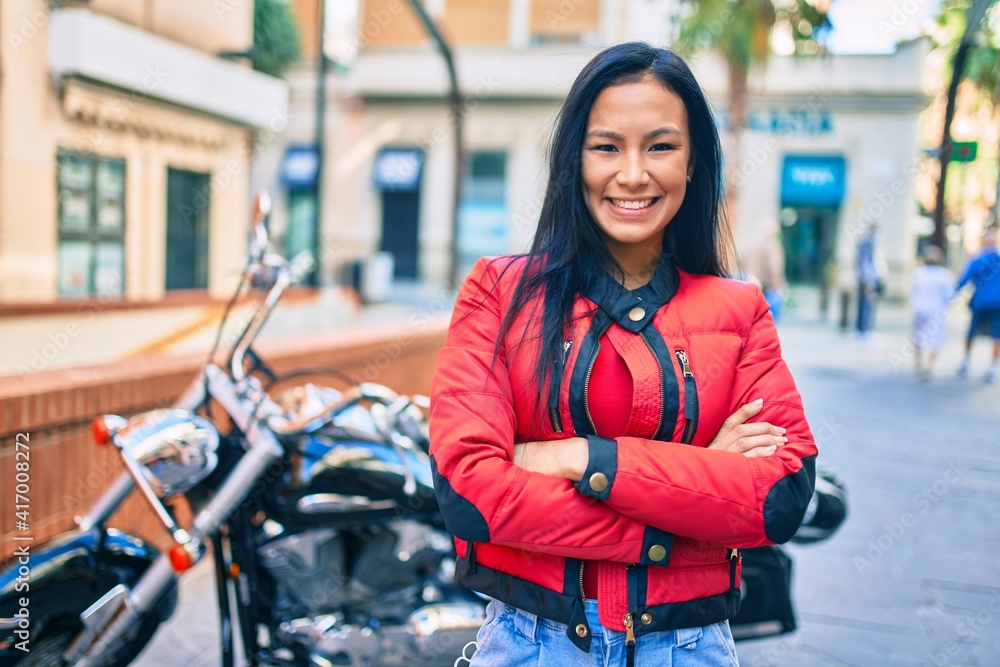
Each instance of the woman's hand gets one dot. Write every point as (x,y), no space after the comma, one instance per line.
(754,439)
(559,458)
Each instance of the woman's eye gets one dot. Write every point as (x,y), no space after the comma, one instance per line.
(663,147)
(604,148)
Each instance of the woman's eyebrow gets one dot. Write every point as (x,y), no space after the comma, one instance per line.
(666,129)
(608,134)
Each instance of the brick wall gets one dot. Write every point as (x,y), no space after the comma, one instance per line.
(55,410)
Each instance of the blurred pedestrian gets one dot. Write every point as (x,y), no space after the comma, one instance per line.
(765,262)
(931,289)
(870,264)
(983,271)
(605,403)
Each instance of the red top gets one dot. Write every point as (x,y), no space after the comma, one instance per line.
(610,409)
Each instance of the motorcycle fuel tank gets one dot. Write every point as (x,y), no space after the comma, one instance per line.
(344,477)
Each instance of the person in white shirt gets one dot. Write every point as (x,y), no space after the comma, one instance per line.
(930,291)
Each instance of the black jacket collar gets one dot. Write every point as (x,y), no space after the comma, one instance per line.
(633,309)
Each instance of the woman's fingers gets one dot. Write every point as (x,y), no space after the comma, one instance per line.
(760,452)
(755,428)
(758,442)
(747,411)
(755,439)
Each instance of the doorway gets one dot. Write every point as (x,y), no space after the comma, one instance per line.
(397,177)
(187,229)
(401,231)
(809,236)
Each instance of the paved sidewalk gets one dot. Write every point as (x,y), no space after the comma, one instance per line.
(913,577)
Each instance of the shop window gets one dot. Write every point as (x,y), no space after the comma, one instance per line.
(482,215)
(91,251)
(563,21)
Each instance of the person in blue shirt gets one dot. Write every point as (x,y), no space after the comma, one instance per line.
(870,265)
(983,271)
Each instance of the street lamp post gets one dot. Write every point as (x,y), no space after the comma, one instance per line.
(456,119)
(320,134)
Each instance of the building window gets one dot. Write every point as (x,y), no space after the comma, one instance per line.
(188,203)
(561,22)
(91,225)
(482,215)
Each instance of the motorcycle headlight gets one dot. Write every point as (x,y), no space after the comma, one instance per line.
(175,448)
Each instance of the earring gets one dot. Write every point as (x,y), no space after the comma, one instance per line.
(689,178)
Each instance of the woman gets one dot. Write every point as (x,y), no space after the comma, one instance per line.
(931,289)
(609,414)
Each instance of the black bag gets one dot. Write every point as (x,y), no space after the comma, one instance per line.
(766,594)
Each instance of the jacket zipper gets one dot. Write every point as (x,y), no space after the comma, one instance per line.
(734,559)
(663,393)
(690,398)
(554,389)
(583,595)
(629,641)
(629,622)
(586,391)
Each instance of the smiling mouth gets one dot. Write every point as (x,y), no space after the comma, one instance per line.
(634,204)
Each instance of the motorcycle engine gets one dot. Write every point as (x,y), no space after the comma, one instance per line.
(324,568)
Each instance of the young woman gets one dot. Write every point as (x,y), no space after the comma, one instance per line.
(931,289)
(611,418)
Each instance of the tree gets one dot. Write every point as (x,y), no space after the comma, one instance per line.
(975,45)
(276,43)
(741,31)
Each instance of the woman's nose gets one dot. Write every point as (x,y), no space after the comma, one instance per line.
(632,173)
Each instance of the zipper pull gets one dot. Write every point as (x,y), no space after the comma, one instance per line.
(629,631)
(566,348)
(733,553)
(683,358)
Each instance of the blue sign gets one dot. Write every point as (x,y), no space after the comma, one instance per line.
(398,169)
(790,122)
(299,167)
(813,180)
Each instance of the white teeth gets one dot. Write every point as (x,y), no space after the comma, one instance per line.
(634,205)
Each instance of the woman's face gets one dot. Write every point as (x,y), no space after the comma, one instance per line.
(636,159)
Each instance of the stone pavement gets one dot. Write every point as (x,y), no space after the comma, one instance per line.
(913,577)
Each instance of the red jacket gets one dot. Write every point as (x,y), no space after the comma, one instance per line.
(662,514)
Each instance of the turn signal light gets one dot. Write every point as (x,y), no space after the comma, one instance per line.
(99,428)
(180,558)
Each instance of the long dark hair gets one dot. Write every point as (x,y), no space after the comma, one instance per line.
(568,255)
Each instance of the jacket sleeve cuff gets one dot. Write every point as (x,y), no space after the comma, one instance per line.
(601,468)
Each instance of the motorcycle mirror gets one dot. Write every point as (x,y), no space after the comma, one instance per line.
(261,207)
(259,210)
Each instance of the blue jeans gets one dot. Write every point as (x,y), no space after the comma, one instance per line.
(511,637)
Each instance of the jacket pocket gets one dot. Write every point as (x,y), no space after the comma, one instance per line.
(698,551)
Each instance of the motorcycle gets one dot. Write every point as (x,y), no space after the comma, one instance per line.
(318,509)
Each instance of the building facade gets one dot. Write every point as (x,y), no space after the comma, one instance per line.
(125,147)
(831,144)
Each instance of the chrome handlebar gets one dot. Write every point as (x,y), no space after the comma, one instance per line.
(260,261)
(366,391)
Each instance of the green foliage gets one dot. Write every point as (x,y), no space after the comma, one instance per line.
(276,42)
(741,29)
(983,65)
